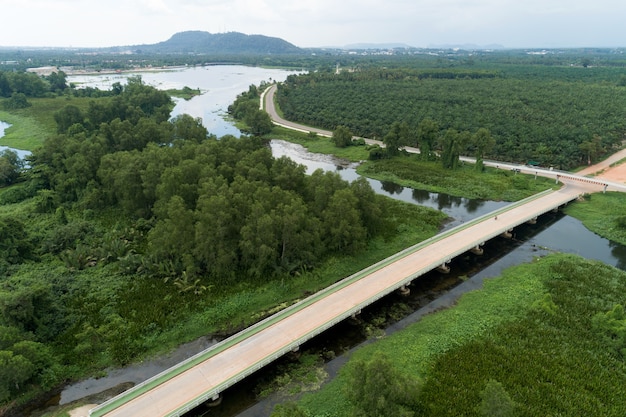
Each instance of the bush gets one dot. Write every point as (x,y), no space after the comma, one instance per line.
(15,194)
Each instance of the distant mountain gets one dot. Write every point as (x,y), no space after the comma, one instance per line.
(230,43)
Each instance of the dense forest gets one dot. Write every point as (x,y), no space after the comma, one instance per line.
(562,117)
(124,221)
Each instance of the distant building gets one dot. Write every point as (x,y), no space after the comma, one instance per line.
(43,71)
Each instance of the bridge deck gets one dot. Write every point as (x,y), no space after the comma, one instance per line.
(233,361)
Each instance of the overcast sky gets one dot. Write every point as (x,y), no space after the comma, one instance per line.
(312,23)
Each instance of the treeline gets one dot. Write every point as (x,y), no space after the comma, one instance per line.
(561,123)
(125,221)
(31,84)
(221,207)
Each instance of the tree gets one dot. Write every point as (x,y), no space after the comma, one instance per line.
(57,81)
(188,128)
(495,401)
(14,243)
(259,122)
(342,137)
(172,238)
(591,148)
(376,388)
(452,143)
(17,101)
(68,116)
(342,225)
(14,371)
(370,206)
(427,132)
(150,101)
(483,142)
(397,138)
(10,167)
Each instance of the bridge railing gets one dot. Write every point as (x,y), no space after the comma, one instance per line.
(200,357)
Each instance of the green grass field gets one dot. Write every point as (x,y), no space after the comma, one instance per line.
(530,329)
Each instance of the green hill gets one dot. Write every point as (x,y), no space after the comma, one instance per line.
(200,42)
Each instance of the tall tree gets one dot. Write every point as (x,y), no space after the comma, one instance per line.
(483,142)
(427,133)
(342,137)
(189,128)
(591,148)
(396,138)
(377,389)
(452,144)
(68,116)
(10,167)
(259,122)
(342,224)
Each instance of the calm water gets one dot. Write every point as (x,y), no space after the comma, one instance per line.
(22,154)
(221,85)
(564,235)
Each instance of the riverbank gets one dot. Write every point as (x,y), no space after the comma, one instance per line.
(530,330)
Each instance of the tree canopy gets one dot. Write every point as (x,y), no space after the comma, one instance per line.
(559,116)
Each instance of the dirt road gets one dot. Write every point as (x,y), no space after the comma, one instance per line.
(604,170)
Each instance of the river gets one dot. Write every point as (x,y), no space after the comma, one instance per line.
(221,85)
(20,153)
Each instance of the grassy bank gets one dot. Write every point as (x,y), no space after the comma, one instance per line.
(25,133)
(96,311)
(531,330)
(409,171)
(32,125)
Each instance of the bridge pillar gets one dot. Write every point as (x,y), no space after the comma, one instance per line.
(532,221)
(443,268)
(477,250)
(295,349)
(356,313)
(214,401)
(508,234)
(404,290)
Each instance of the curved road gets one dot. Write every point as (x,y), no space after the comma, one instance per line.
(267,103)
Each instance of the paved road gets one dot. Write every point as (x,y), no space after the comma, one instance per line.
(270,108)
(234,361)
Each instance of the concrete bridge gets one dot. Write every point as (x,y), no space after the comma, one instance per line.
(206,375)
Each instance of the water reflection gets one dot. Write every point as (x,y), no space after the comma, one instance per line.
(619,252)
(566,234)
(458,208)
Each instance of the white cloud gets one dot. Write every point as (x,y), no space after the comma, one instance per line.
(316,22)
